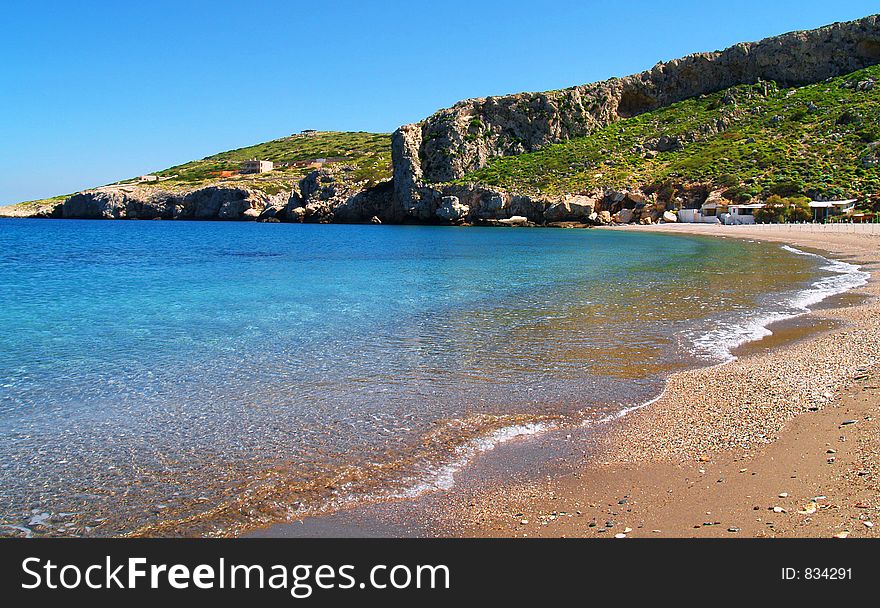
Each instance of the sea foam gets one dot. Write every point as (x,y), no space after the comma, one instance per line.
(719,342)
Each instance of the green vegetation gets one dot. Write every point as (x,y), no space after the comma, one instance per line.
(367,154)
(756,140)
(779,210)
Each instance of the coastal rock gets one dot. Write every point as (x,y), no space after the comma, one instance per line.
(98,204)
(515,220)
(624,216)
(572,208)
(326,195)
(212,202)
(222,202)
(451,209)
(460,139)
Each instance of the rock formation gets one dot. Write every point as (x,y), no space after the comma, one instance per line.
(463,138)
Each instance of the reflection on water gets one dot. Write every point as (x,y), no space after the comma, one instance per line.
(212,372)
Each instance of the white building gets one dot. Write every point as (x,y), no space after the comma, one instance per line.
(825,209)
(257,166)
(695,216)
(741,214)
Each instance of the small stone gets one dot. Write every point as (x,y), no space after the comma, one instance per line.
(783,495)
(841,535)
(733,529)
(778,510)
(848,422)
(523,522)
(620,535)
(628,530)
(809,508)
(868,524)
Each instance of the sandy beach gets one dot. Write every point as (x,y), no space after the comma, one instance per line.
(783,441)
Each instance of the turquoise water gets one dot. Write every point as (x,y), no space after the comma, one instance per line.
(219,374)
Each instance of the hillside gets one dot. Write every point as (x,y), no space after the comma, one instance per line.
(464,138)
(366,158)
(368,153)
(821,140)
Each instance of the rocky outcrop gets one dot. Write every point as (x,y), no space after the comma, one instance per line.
(464,137)
(322,196)
(211,203)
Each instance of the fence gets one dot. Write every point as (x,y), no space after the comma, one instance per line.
(836,227)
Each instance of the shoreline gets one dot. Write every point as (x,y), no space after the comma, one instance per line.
(474,511)
(736,449)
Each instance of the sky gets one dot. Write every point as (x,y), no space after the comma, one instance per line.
(92,92)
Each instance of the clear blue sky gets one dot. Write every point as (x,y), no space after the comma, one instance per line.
(92,91)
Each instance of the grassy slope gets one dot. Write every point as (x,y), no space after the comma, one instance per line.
(776,143)
(368,155)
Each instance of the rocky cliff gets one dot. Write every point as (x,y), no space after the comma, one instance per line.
(460,139)
(322,196)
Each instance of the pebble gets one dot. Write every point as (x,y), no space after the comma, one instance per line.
(620,535)
(783,495)
(869,524)
(733,529)
(778,510)
(841,535)
(848,422)
(809,508)
(523,522)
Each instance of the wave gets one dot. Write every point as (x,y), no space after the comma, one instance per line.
(443,477)
(719,342)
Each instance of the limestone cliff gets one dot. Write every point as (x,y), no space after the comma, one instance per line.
(463,138)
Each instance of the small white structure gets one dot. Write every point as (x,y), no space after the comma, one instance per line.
(148,178)
(824,209)
(695,216)
(257,166)
(742,214)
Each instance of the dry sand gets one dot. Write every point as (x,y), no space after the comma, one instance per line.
(781,442)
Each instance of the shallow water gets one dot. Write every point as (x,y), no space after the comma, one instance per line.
(193,378)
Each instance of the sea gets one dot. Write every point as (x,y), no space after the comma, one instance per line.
(170,378)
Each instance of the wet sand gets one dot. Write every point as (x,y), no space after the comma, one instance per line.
(761,446)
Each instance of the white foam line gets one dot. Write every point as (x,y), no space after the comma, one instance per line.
(720,342)
(443,478)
